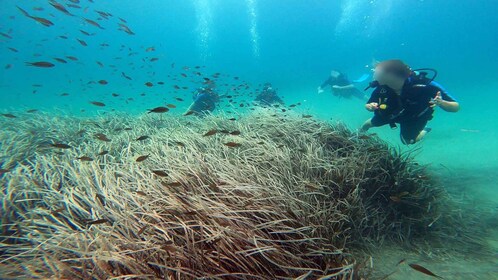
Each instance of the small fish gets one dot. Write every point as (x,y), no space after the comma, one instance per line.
(232,119)
(235,132)
(423,270)
(32,111)
(211,132)
(103,82)
(102,137)
(85,33)
(395,198)
(144,137)
(160,173)
(232,144)
(103,153)
(97,103)
(97,222)
(149,84)
(179,99)
(126,76)
(43,21)
(60,146)
(142,229)
(172,106)
(13,49)
(58,210)
(60,60)
(85,158)
(43,64)
(159,110)
(141,193)
(6,35)
(83,43)
(91,22)
(125,29)
(307,116)
(73,58)
(115,94)
(10,116)
(142,158)
(59,7)
(188,113)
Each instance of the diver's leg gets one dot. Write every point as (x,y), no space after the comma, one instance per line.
(366,125)
(413,131)
(375,121)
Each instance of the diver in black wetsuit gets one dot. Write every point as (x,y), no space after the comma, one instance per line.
(205,100)
(341,86)
(268,96)
(407,98)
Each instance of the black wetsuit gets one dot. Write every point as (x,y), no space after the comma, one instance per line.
(342,81)
(267,97)
(411,110)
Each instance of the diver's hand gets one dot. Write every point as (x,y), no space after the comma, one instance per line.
(436,101)
(372,106)
(319,90)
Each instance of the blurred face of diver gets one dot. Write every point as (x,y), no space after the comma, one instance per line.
(388,78)
(334,74)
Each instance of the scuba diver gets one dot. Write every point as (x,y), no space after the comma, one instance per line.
(342,86)
(205,100)
(406,97)
(268,96)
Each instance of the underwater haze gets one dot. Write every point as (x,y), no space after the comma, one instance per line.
(90,58)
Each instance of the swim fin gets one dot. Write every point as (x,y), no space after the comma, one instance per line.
(361,79)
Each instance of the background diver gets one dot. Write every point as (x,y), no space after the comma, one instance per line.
(341,86)
(205,100)
(268,96)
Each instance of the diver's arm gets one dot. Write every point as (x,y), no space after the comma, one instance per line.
(350,86)
(327,82)
(449,106)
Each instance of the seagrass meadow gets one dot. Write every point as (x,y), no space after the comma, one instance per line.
(264,196)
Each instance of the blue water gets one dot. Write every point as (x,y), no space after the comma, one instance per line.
(292,44)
